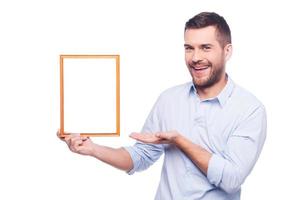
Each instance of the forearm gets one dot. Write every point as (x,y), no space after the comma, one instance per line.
(223,173)
(118,158)
(199,156)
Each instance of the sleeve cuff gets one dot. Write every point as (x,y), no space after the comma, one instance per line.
(134,157)
(215,169)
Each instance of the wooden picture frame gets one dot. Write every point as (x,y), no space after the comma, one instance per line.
(82,110)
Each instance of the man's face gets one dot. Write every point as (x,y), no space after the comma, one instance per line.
(204,56)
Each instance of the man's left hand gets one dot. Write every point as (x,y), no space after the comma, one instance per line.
(168,137)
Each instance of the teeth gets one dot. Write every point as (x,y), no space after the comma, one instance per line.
(200,68)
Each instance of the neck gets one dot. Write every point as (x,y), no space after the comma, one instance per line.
(214,90)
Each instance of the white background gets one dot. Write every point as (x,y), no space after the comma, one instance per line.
(149,37)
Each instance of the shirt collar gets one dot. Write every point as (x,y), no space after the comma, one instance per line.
(223,96)
(227,91)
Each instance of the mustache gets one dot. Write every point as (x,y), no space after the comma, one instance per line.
(197,63)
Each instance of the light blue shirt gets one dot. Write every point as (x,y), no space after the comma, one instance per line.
(231,126)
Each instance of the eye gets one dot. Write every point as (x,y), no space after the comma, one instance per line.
(188,48)
(206,48)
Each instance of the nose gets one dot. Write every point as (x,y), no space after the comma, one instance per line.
(197,56)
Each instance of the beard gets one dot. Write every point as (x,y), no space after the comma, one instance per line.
(214,76)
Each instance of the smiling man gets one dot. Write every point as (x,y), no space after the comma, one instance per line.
(210,130)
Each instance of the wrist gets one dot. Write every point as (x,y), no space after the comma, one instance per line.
(177,137)
(93,150)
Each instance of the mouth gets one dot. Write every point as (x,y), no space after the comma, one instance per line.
(200,68)
(200,71)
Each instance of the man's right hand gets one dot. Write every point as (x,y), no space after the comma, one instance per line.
(83,145)
(78,144)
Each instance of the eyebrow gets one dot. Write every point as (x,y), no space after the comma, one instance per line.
(206,45)
(201,45)
(187,45)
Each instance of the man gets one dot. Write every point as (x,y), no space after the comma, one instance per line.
(211,130)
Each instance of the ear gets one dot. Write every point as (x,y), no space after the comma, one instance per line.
(228,51)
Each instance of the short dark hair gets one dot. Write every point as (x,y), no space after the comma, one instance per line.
(205,19)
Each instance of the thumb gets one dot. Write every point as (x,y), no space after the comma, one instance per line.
(158,135)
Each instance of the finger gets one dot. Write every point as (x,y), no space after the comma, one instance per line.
(70,138)
(79,148)
(77,143)
(59,135)
(75,139)
(62,134)
(67,139)
(65,135)
(84,138)
(134,134)
(158,135)
(162,135)
(58,132)
(139,136)
(146,138)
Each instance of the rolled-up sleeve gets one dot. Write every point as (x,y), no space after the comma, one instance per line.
(229,169)
(144,155)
